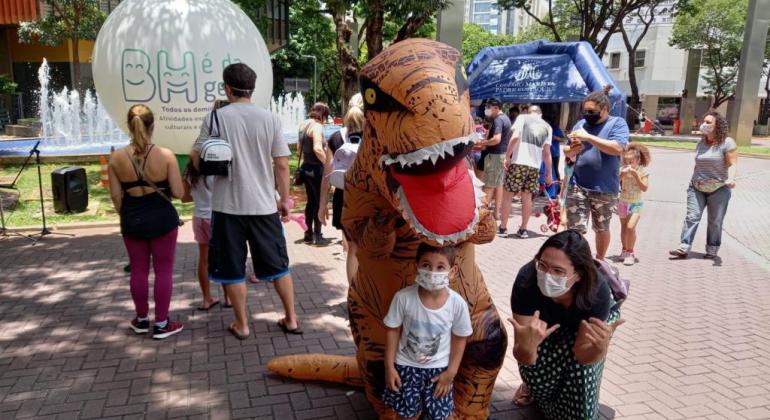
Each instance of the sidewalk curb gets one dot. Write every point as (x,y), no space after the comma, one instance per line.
(76,226)
(765,157)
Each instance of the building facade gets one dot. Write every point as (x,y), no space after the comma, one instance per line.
(660,68)
(488,15)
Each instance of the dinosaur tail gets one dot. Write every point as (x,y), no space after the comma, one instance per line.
(318,367)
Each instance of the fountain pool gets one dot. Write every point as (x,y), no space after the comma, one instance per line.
(71,126)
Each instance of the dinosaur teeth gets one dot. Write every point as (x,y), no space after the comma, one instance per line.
(432,152)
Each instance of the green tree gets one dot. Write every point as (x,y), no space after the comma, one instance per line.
(632,35)
(71,20)
(716,28)
(476,38)
(378,22)
(593,21)
(311,33)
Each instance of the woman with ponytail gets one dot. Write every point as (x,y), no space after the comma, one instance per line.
(143,180)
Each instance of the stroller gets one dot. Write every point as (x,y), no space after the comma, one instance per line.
(552,211)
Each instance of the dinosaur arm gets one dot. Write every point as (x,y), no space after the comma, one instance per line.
(485,229)
(370,222)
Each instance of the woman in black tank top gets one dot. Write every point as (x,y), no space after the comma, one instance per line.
(312,147)
(148,221)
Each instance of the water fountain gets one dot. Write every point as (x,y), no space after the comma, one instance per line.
(291,110)
(66,127)
(71,127)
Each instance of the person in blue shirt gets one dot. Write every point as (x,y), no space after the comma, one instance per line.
(597,143)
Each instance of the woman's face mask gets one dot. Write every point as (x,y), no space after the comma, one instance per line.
(552,286)
(706,128)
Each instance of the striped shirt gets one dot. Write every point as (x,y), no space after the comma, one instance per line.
(710,163)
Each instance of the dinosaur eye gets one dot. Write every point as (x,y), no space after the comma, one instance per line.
(371,96)
(378,101)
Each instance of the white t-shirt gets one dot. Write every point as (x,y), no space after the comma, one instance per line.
(533,133)
(256,137)
(201,194)
(426,334)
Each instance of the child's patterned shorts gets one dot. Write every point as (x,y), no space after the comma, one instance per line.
(416,394)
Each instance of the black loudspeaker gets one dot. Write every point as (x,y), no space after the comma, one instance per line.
(70,189)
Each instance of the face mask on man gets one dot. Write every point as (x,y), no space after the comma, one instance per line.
(550,285)
(592,117)
(487,113)
(706,128)
(432,280)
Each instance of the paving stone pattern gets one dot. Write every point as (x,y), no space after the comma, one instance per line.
(695,345)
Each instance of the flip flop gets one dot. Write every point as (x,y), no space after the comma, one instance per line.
(227,305)
(213,304)
(236,334)
(286,329)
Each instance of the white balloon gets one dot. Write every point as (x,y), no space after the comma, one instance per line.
(169,55)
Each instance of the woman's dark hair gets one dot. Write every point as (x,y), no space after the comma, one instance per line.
(600,97)
(574,245)
(319,111)
(241,79)
(448,251)
(191,174)
(721,127)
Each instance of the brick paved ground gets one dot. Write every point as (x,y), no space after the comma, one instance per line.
(696,343)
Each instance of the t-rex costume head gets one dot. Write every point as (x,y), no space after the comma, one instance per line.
(410,183)
(419,130)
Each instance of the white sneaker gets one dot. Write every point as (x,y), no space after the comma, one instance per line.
(629,259)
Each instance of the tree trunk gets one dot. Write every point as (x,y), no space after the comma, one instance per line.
(412,25)
(75,64)
(348,62)
(374,29)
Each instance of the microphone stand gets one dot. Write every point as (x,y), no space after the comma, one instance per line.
(45,230)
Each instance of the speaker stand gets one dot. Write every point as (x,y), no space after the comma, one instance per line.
(45,230)
(4,233)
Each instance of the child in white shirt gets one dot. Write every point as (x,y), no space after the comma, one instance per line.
(428,325)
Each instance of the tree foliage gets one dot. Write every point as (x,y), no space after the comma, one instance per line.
(7,85)
(593,21)
(476,38)
(71,20)
(716,28)
(310,34)
(325,30)
(632,35)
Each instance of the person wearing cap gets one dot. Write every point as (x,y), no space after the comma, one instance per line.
(244,208)
(493,155)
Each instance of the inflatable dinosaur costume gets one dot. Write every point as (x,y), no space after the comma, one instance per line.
(411,183)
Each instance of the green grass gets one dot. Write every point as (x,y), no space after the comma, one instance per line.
(100,209)
(689,145)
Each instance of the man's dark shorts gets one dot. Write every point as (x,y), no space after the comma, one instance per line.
(227,248)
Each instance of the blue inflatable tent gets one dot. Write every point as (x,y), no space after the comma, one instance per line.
(541,71)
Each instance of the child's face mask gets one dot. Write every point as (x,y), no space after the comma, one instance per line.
(432,280)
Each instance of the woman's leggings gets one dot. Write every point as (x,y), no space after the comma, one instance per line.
(162,250)
(313,175)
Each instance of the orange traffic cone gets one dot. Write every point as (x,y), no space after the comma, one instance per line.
(105,180)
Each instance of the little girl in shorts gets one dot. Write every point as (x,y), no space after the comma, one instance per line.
(634,180)
(198,189)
